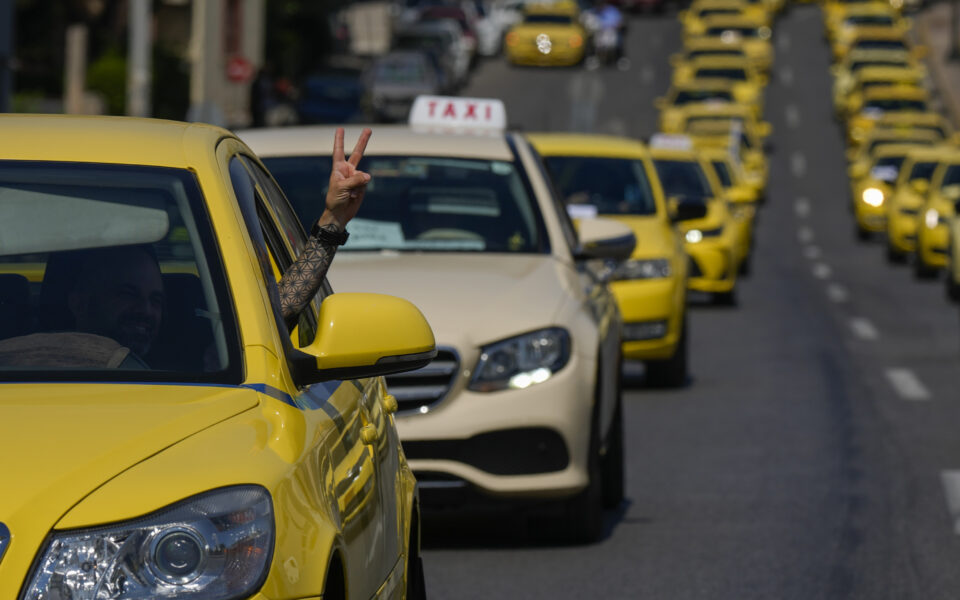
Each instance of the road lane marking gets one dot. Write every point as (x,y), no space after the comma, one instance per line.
(783,41)
(802,207)
(805,235)
(905,382)
(951,486)
(647,75)
(822,271)
(864,329)
(793,116)
(786,76)
(837,293)
(812,252)
(798,164)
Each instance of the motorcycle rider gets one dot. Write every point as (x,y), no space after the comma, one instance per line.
(610,22)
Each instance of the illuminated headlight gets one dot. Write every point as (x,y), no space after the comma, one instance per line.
(646,330)
(696,235)
(931,218)
(656,268)
(522,361)
(215,545)
(873,197)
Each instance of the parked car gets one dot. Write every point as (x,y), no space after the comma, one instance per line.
(397,79)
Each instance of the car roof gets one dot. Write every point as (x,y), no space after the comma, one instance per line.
(741,20)
(923,118)
(905,92)
(893,150)
(581,144)
(871,32)
(116,140)
(387,140)
(928,153)
(713,42)
(674,154)
(719,60)
(890,72)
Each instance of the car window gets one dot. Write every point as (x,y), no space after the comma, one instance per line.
(723,173)
(734,74)
(110,272)
(614,186)
(922,170)
(951,176)
(683,179)
(550,19)
(896,104)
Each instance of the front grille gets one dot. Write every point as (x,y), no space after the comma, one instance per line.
(418,391)
(909,211)
(694,269)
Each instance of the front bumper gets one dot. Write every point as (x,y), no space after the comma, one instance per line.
(870,218)
(933,244)
(646,302)
(712,267)
(902,230)
(562,57)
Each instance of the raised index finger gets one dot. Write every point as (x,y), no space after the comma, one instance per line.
(357,153)
(338,145)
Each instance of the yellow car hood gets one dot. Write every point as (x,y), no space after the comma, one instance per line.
(468,299)
(655,239)
(60,442)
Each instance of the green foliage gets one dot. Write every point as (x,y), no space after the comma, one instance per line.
(108,76)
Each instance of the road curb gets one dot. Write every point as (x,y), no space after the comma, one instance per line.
(938,69)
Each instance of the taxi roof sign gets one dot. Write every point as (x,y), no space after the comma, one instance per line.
(671,141)
(488,114)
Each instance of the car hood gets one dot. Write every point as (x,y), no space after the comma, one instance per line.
(468,299)
(60,442)
(655,239)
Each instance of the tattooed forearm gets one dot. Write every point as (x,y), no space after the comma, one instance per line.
(303,278)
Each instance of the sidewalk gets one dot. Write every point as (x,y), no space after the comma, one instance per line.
(932,28)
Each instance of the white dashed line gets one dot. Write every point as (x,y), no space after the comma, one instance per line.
(822,271)
(812,252)
(786,76)
(798,164)
(907,384)
(951,487)
(647,74)
(864,329)
(837,293)
(793,116)
(783,41)
(805,235)
(802,207)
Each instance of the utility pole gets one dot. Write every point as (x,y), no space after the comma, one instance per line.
(6,54)
(138,59)
(954,53)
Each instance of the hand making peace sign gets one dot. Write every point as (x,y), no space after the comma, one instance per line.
(347,183)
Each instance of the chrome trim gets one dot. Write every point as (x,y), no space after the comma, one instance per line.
(431,393)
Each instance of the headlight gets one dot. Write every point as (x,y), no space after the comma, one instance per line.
(932,218)
(215,545)
(520,362)
(696,235)
(873,197)
(656,268)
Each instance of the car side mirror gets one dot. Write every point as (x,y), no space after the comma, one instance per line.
(920,186)
(365,335)
(604,238)
(686,210)
(742,194)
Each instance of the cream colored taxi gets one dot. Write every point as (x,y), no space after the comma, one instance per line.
(523,402)
(614,178)
(165,432)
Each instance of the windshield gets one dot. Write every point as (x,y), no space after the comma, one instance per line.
(880,44)
(748,32)
(428,204)
(614,186)
(951,177)
(401,71)
(877,63)
(689,96)
(869,20)
(923,170)
(683,179)
(896,104)
(551,19)
(696,53)
(109,273)
(723,173)
(734,74)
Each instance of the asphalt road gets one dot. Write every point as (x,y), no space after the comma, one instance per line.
(816,452)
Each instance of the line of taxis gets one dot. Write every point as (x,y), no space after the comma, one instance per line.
(904,158)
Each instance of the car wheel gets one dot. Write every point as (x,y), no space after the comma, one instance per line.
(862,234)
(611,465)
(745,264)
(725,298)
(673,371)
(894,256)
(921,270)
(416,583)
(953,290)
(582,519)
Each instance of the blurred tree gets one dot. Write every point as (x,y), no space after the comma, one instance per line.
(298,34)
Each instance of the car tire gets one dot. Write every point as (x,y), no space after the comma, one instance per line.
(746,264)
(582,518)
(953,290)
(612,463)
(416,582)
(725,298)
(862,234)
(673,371)
(921,270)
(894,256)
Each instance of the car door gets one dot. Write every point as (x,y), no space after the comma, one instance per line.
(369,393)
(352,461)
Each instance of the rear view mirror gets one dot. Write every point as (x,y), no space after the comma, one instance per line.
(365,335)
(920,186)
(604,238)
(686,209)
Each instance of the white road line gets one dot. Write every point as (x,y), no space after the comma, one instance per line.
(798,164)
(864,329)
(812,252)
(951,487)
(837,293)
(907,384)
(822,271)
(783,41)
(805,235)
(802,207)
(647,74)
(786,76)
(793,116)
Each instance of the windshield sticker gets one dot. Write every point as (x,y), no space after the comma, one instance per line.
(582,211)
(365,233)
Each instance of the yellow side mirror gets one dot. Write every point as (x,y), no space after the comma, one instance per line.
(366,335)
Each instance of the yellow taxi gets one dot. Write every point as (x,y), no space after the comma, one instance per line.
(681,97)
(831,8)
(745,145)
(953,256)
(693,19)
(905,203)
(710,241)
(742,199)
(707,46)
(873,38)
(879,102)
(750,30)
(172,436)
(747,81)
(522,406)
(933,122)
(861,14)
(873,77)
(933,233)
(614,178)
(872,179)
(844,71)
(547,35)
